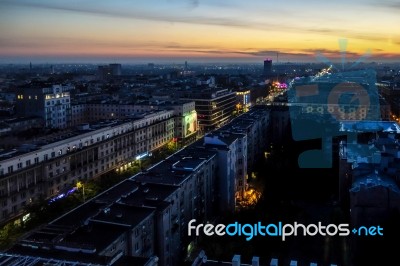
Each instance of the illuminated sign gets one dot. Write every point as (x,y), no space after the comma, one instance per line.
(142,155)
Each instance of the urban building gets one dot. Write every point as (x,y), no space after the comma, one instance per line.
(232,159)
(24,123)
(51,165)
(391,92)
(267,67)
(53,104)
(186,121)
(203,260)
(185,115)
(45,259)
(112,70)
(243,100)
(369,170)
(255,124)
(214,107)
(372,198)
(144,217)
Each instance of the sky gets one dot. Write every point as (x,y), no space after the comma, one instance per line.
(197,30)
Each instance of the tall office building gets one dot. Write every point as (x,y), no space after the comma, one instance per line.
(214,107)
(267,66)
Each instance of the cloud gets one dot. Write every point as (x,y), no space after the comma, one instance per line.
(328,52)
(386,4)
(131,14)
(246,52)
(194,3)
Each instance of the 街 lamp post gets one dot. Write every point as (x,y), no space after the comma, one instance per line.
(81,185)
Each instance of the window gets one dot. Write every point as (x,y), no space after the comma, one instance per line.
(136,247)
(10,169)
(19,166)
(28,162)
(36,159)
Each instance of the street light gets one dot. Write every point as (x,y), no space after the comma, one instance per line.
(81,185)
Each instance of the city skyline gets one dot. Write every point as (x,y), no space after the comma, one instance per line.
(201,31)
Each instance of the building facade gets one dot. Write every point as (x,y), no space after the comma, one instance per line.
(214,107)
(44,170)
(53,104)
(147,215)
(185,115)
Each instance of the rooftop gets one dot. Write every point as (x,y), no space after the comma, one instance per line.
(121,214)
(226,137)
(172,171)
(370,126)
(373,180)
(151,195)
(176,168)
(94,236)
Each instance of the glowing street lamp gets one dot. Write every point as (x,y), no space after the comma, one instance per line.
(81,185)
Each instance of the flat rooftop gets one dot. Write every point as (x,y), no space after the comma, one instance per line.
(370,126)
(151,195)
(94,236)
(175,169)
(121,214)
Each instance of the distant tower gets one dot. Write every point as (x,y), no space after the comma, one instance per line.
(267,67)
(115,69)
(186,66)
(30,66)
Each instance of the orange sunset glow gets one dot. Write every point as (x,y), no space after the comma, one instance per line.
(235,30)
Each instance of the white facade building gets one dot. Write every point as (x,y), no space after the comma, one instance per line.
(44,170)
(53,104)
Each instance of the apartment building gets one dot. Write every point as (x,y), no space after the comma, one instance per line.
(369,170)
(232,170)
(185,115)
(214,107)
(52,103)
(50,166)
(144,216)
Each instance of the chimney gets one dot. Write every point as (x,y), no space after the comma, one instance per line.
(274,262)
(255,261)
(236,260)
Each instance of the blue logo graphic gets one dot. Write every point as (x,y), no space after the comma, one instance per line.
(320,105)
